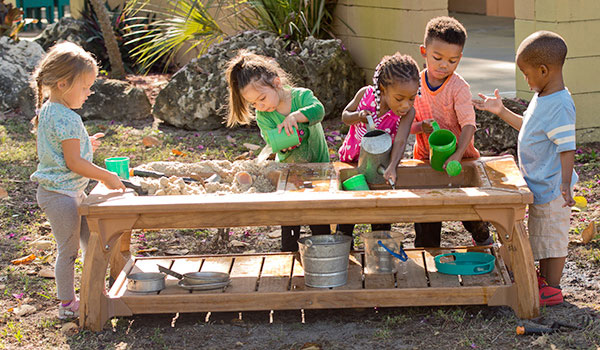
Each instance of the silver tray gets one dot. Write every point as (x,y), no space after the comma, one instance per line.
(204,286)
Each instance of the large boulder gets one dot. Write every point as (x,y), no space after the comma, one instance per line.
(196,97)
(68,29)
(17,61)
(115,100)
(494,136)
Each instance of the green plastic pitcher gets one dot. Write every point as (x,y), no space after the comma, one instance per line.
(442,144)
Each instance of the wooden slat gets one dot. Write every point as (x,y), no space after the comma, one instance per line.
(275,275)
(355,272)
(437,279)
(411,273)
(501,266)
(217,264)
(120,285)
(150,265)
(244,274)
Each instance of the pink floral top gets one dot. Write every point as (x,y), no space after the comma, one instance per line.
(350,149)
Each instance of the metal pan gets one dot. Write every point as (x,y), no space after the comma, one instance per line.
(197,278)
(146,282)
(204,286)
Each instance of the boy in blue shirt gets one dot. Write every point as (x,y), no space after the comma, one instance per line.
(546,149)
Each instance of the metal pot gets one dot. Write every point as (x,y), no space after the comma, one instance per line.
(197,278)
(146,282)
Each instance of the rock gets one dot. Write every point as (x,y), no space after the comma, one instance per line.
(150,141)
(46,273)
(115,100)
(18,60)
(196,96)
(24,310)
(494,136)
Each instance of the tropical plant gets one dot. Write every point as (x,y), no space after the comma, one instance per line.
(112,47)
(195,24)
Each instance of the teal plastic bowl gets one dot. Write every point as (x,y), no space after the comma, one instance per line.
(470,263)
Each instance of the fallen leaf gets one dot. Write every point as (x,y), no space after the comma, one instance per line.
(2,286)
(150,141)
(178,152)
(230,139)
(41,244)
(274,234)
(311,346)
(251,146)
(70,328)
(177,251)
(3,193)
(236,243)
(46,272)
(588,234)
(148,250)
(24,260)
(24,310)
(243,156)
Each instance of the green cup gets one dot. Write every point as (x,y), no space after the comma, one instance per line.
(453,168)
(118,165)
(442,144)
(280,140)
(356,183)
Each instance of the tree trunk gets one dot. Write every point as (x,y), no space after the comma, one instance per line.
(117,71)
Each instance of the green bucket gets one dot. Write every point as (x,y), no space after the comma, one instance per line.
(281,140)
(356,183)
(118,165)
(442,144)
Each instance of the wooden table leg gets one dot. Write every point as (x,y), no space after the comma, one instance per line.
(513,236)
(94,310)
(120,257)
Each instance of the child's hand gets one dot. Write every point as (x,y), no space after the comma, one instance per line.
(289,123)
(454,156)
(362,115)
(113,182)
(565,190)
(94,140)
(426,126)
(390,174)
(490,104)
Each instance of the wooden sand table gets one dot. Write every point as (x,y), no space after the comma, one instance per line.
(489,189)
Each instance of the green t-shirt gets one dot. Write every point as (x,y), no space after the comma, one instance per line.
(313,146)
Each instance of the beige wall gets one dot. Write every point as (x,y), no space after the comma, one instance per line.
(383,27)
(467,6)
(576,21)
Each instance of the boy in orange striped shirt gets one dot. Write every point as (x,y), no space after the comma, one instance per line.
(445,98)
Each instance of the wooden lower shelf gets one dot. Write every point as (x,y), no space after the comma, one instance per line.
(275,281)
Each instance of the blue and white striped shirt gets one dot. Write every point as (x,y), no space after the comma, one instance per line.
(548,129)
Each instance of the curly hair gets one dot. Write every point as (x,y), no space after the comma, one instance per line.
(392,69)
(446,29)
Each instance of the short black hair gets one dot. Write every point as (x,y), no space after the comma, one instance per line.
(543,48)
(447,29)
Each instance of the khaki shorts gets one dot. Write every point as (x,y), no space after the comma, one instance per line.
(549,229)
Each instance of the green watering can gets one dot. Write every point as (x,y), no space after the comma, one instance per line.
(442,144)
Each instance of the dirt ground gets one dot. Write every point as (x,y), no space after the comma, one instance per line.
(447,327)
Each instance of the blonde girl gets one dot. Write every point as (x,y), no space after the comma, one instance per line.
(258,81)
(65,152)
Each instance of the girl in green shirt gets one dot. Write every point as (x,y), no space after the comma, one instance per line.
(258,81)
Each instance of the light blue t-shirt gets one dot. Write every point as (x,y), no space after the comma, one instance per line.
(548,129)
(56,124)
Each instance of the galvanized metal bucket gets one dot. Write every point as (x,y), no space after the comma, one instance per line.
(325,260)
(375,149)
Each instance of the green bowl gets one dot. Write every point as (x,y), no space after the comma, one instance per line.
(470,263)
(356,183)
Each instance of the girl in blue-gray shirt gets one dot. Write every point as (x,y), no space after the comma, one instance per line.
(65,152)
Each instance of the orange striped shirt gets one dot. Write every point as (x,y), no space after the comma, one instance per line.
(450,106)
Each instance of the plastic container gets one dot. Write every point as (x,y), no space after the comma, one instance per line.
(470,263)
(325,260)
(453,168)
(118,165)
(356,183)
(442,144)
(382,248)
(281,140)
